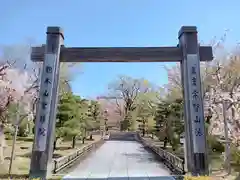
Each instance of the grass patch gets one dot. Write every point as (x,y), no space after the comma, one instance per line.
(57,177)
(65,147)
(216,161)
(26,139)
(23,151)
(26,176)
(235,168)
(215,158)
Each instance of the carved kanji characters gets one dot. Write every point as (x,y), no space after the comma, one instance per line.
(42,118)
(194,81)
(42,131)
(198,132)
(195,94)
(47,81)
(197,119)
(194,70)
(44,105)
(48,69)
(46,93)
(196,107)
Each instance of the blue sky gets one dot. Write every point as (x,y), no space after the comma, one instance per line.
(92,23)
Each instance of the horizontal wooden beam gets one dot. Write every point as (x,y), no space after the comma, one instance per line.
(121,54)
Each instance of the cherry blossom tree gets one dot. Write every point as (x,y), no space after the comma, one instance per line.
(220,81)
(19,85)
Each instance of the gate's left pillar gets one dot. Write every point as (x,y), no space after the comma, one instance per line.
(41,160)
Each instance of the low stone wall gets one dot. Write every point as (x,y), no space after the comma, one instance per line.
(122,136)
(174,163)
(65,161)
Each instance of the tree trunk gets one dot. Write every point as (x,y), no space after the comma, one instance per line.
(144,132)
(1,155)
(73,142)
(55,144)
(165,143)
(85,132)
(227,160)
(2,145)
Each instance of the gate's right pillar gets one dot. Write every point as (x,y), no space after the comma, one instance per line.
(197,162)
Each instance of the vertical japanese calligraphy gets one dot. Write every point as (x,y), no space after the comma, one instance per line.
(43,111)
(196,107)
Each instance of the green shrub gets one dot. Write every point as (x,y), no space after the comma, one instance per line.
(8,137)
(22,129)
(175,141)
(27,139)
(235,155)
(8,129)
(215,145)
(8,132)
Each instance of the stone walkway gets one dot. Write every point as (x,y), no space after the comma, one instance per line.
(120,160)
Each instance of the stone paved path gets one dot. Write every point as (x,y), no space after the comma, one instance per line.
(120,159)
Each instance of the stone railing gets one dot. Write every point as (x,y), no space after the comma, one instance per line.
(63,162)
(173,162)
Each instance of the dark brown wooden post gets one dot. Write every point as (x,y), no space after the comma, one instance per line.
(194,115)
(41,160)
